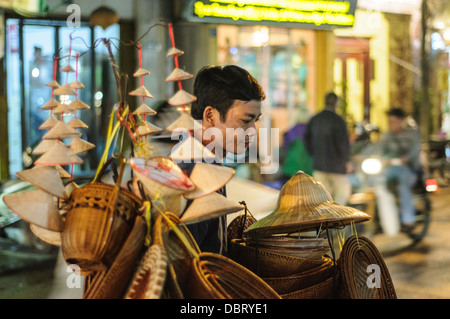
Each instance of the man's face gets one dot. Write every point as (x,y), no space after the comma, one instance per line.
(395,124)
(238,129)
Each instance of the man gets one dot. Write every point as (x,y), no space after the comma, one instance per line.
(400,152)
(227,98)
(327,141)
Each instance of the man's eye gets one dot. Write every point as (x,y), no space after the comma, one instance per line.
(247,121)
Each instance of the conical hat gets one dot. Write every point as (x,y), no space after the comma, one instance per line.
(50,104)
(178,74)
(70,187)
(44,146)
(209,206)
(208,178)
(76,85)
(190,149)
(59,154)
(48,123)
(35,207)
(141,72)
(305,204)
(182,98)
(45,178)
(61,131)
(76,104)
(64,90)
(77,123)
(79,145)
(67,68)
(144,109)
(53,84)
(49,236)
(141,91)
(174,51)
(163,171)
(147,129)
(61,171)
(185,121)
(63,108)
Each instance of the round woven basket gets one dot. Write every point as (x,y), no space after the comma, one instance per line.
(268,263)
(99,218)
(363,272)
(305,279)
(321,290)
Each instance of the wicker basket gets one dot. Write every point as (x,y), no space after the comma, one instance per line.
(322,290)
(358,253)
(266,263)
(99,219)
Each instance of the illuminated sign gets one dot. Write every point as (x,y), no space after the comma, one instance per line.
(319,14)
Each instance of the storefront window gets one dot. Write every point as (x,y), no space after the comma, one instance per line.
(31,48)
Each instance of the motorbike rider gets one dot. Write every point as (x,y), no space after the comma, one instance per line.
(400,152)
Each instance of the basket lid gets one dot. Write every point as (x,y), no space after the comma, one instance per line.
(356,257)
(305,204)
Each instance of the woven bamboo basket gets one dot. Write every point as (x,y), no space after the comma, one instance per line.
(356,280)
(98,221)
(321,290)
(265,263)
(112,283)
(303,280)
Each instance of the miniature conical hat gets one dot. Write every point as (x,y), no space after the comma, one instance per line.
(141,91)
(59,154)
(209,206)
(63,108)
(190,149)
(76,104)
(61,171)
(305,204)
(48,123)
(70,187)
(79,146)
(49,236)
(182,98)
(185,121)
(76,85)
(178,74)
(77,123)
(53,84)
(144,109)
(67,68)
(61,131)
(64,90)
(141,72)
(208,178)
(50,104)
(45,178)
(174,51)
(147,129)
(44,146)
(35,207)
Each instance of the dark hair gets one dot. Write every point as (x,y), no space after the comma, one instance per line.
(218,87)
(397,112)
(331,99)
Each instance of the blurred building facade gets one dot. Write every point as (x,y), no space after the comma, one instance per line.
(373,64)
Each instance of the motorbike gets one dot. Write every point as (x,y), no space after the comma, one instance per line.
(382,201)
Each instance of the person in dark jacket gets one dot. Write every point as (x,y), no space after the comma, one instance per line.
(327,141)
(227,98)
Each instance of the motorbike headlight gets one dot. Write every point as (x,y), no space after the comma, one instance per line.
(371,166)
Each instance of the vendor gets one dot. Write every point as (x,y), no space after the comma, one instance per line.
(227,98)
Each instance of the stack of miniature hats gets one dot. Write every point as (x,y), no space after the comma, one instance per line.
(144,128)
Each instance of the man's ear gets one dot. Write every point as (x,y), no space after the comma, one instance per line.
(210,116)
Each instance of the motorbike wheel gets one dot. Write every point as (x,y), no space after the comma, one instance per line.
(423,210)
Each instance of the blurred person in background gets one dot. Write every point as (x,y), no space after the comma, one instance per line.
(327,141)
